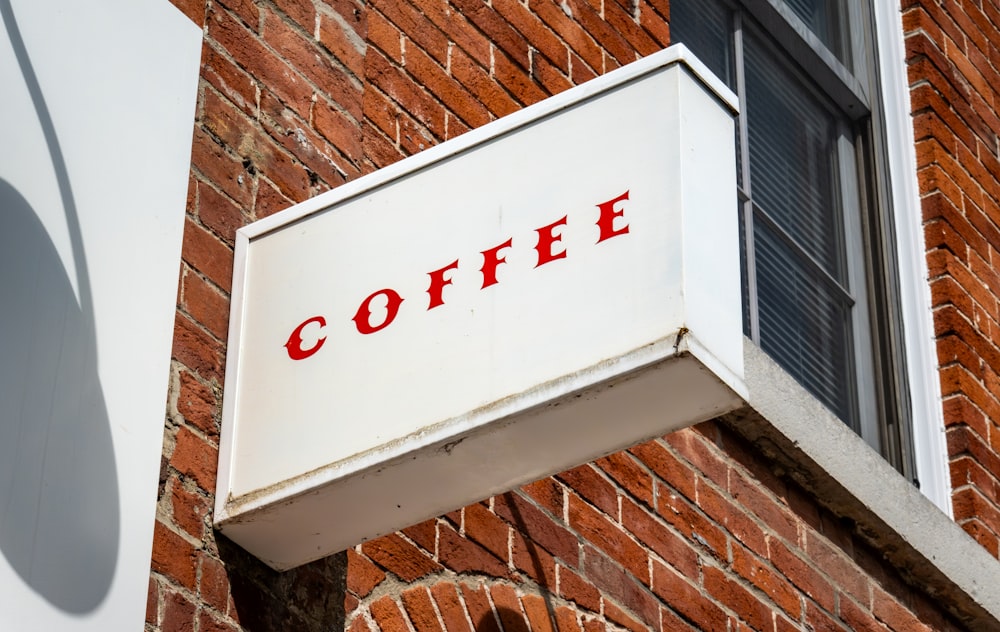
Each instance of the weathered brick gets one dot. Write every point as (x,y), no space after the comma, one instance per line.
(362,575)
(449,604)
(388,616)
(463,556)
(420,609)
(173,557)
(399,557)
(537,525)
(178,613)
(196,458)
(687,599)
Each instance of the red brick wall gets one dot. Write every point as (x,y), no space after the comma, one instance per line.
(694,531)
(953,55)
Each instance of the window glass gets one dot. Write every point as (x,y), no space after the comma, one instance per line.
(799,217)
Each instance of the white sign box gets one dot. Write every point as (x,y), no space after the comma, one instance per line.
(554,286)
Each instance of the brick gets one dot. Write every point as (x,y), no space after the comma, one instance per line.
(213,583)
(844,573)
(152,602)
(480,610)
(706,459)
(687,599)
(821,621)
(195,458)
(538,526)
(214,163)
(484,527)
(198,404)
(893,614)
(269,200)
(574,588)
(267,68)
(537,612)
(387,615)
(424,534)
(609,537)
(399,557)
(207,254)
(403,91)
(508,607)
(619,617)
(362,575)
(588,482)
(498,31)
(759,573)
(733,519)
(533,561)
(793,566)
(630,475)
(857,618)
(190,509)
(449,604)
(658,538)
(566,620)
(194,9)
(340,129)
(542,38)
(205,304)
(748,493)
(570,31)
(481,85)
(358,624)
(691,523)
(737,599)
(208,622)
(303,12)
(548,494)
(344,40)
(464,556)
(420,609)
(173,557)
(621,586)
(307,58)
(219,213)
(178,613)
(417,27)
(667,467)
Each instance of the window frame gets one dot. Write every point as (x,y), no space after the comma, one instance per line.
(895,385)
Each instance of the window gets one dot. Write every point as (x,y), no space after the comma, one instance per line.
(818,291)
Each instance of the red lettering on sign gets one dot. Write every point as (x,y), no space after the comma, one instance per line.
(606,222)
(610,223)
(438,282)
(545,240)
(490,263)
(294,344)
(362,318)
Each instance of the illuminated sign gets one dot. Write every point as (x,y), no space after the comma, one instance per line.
(554,286)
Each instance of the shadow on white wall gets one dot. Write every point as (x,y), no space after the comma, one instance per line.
(59,504)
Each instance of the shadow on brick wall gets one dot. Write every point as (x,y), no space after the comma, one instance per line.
(510,621)
(309,598)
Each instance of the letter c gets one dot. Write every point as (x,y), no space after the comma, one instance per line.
(294,344)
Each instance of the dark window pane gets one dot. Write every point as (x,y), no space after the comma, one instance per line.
(803,325)
(705,28)
(793,158)
(823,18)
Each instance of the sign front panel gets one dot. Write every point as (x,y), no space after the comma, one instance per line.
(566,226)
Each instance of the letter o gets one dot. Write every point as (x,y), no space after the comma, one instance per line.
(362,318)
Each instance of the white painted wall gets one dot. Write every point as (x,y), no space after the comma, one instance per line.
(95,140)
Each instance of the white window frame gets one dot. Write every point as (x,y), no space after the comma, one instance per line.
(927,416)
